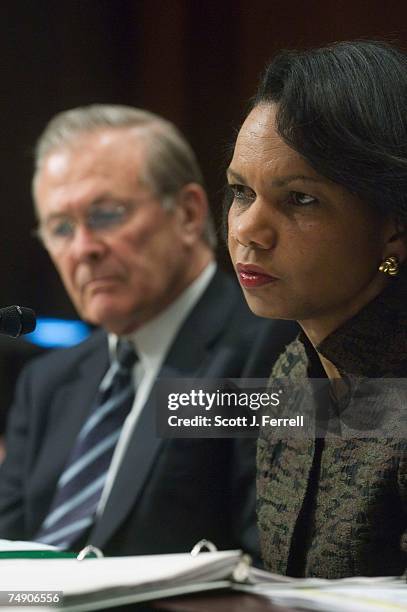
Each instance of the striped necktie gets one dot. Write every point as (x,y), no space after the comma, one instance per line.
(81,483)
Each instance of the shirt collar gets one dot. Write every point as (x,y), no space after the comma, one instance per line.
(153,339)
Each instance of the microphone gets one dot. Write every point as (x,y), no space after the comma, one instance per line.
(16,320)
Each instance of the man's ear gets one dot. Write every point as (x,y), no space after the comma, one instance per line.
(396,244)
(192,208)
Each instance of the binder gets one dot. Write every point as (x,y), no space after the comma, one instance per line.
(93,582)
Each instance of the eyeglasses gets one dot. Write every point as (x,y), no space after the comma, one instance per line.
(101,218)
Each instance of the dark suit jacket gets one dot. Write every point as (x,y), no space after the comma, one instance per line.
(168,493)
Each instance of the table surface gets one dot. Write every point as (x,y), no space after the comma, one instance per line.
(217,602)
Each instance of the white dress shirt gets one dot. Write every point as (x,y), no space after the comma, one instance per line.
(152,342)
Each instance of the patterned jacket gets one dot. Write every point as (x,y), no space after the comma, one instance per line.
(336,506)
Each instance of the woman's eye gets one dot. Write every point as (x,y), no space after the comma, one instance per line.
(302,199)
(242,193)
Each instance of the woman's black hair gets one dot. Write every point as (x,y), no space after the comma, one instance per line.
(344,109)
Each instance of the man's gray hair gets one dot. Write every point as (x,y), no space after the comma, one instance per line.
(170,161)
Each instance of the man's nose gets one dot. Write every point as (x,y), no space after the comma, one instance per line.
(256,226)
(86,244)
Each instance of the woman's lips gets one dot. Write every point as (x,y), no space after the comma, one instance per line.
(251,276)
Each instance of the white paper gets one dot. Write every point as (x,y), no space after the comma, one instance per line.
(16,545)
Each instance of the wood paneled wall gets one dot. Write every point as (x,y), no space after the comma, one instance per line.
(195,62)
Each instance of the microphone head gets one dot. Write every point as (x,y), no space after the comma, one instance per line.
(16,320)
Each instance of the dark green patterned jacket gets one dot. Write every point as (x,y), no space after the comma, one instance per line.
(337,507)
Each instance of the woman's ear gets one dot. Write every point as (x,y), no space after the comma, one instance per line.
(192,207)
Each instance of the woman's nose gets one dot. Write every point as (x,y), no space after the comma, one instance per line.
(255,226)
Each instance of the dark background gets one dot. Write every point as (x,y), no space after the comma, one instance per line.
(195,62)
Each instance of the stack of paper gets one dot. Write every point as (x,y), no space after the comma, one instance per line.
(16,545)
(94,584)
(98,584)
(346,595)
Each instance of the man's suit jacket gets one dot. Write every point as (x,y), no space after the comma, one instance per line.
(168,493)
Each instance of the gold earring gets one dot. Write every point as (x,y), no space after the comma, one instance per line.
(390,266)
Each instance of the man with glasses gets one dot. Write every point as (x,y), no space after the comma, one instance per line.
(124,217)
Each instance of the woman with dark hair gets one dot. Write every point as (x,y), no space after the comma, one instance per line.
(317,233)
